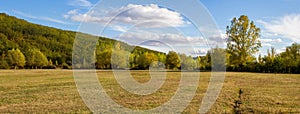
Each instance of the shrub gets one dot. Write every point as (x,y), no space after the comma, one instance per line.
(65,66)
(4,65)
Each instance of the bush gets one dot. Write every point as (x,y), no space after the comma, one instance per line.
(65,66)
(4,65)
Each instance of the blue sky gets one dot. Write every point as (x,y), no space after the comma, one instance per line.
(279,20)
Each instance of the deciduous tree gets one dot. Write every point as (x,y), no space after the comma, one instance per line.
(243,40)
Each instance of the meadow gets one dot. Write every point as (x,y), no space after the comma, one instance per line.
(54,91)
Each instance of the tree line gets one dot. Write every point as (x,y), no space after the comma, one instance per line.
(243,42)
(32,46)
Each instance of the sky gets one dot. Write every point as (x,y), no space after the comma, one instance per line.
(165,26)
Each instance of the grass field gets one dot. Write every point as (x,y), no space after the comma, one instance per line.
(54,91)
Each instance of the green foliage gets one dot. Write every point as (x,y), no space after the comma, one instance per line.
(15,58)
(243,41)
(65,66)
(41,43)
(218,59)
(119,59)
(205,61)
(148,59)
(172,60)
(285,62)
(187,62)
(103,59)
(35,58)
(3,63)
(57,45)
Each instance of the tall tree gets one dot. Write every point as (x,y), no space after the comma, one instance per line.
(243,40)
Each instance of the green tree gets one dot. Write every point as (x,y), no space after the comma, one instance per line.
(133,58)
(3,63)
(243,40)
(103,59)
(218,59)
(291,58)
(147,59)
(15,58)
(35,58)
(119,59)
(172,60)
(269,60)
(187,62)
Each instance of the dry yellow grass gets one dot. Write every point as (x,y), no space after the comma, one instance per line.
(54,91)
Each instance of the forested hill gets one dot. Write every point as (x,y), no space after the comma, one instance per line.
(55,44)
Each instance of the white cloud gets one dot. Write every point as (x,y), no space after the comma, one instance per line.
(150,16)
(138,37)
(40,18)
(287,26)
(81,3)
(71,12)
(119,28)
(200,51)
(278,40)
(266,44)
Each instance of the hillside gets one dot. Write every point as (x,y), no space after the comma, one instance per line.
(55,43)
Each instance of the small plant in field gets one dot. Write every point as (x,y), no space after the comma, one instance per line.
(237,103)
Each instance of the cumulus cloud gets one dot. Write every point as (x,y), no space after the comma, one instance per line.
(81,3)
(151,16)
(287,26)
(137,38)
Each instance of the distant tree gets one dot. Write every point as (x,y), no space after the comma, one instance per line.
(147,59)
(218,59)
(35,58)
(162,58)
(30,58)
(269,60)
(243,40)
(41,59)
(119,59)
(103,59)
(3,63)
(278,64)
(15,58)
(206,61)
(133,58)
(172,60)
(291,58)
(187,62)
(199,62)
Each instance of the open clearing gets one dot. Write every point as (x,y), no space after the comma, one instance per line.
(54,91)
